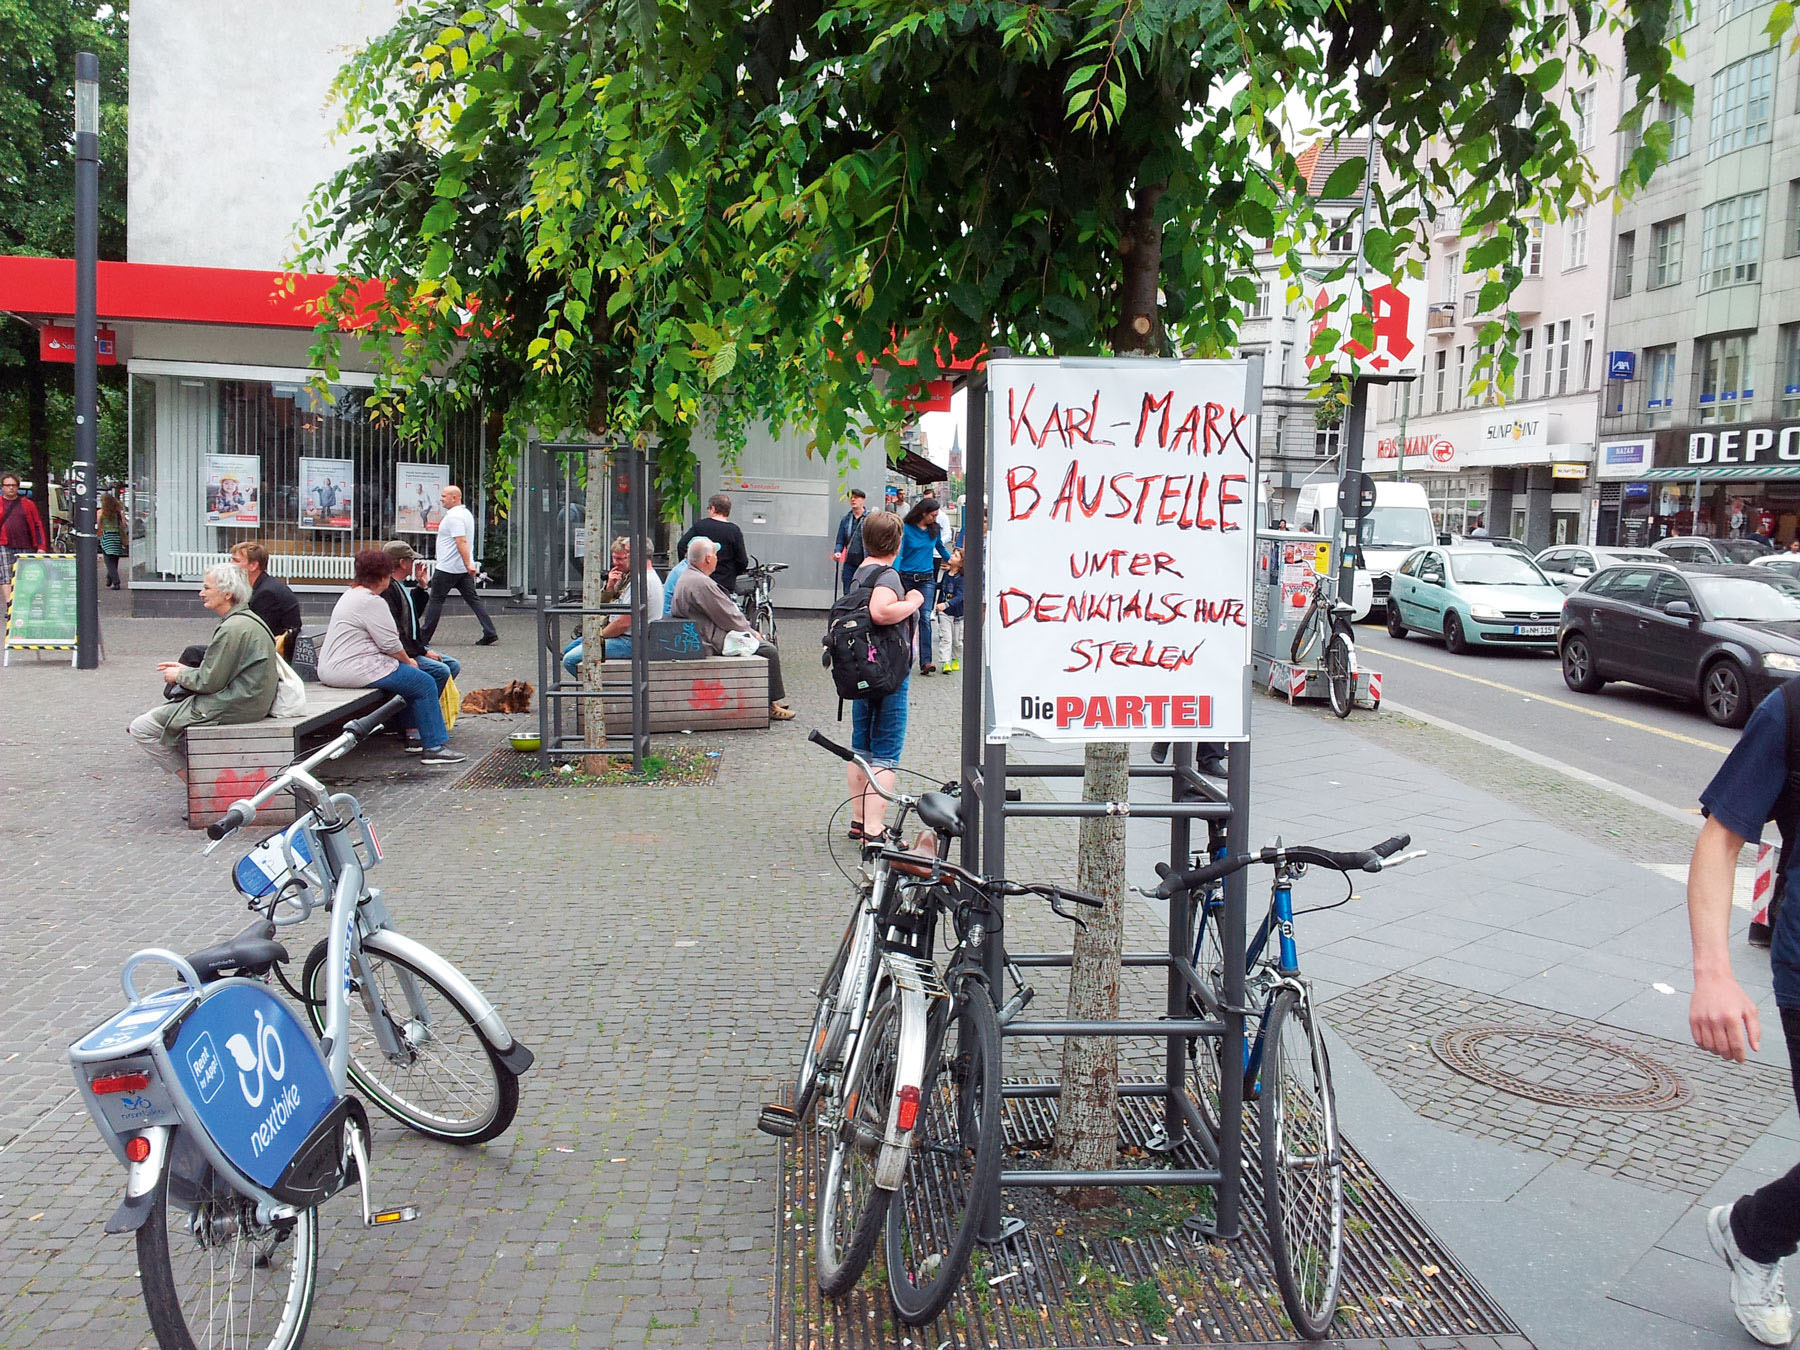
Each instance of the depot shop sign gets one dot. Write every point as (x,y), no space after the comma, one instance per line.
(1756,443)
(1122,507)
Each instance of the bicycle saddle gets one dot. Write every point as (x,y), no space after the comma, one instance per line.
(251,952)
(942,812)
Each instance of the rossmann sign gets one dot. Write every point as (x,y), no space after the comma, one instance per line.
(1751,443)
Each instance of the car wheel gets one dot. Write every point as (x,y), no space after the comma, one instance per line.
(1395,628)
(1578,665)
(1725,693)
(1455,640)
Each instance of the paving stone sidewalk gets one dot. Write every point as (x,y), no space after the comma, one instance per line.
(653,947)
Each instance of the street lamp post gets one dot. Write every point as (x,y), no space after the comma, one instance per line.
(84,473)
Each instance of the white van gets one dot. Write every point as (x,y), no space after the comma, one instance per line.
(1400,522)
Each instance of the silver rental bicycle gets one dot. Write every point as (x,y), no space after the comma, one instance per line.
(231,1117)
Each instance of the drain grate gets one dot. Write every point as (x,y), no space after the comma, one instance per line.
(1563,1068)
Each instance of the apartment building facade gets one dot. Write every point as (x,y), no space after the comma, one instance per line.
(1700,418)
(1520,464)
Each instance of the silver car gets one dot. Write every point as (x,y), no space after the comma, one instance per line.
(1569,565)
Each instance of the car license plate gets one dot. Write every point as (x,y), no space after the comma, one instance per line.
(1534,630)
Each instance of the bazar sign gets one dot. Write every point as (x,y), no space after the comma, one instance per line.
(1117,583)
(1513,431)
(1624,459)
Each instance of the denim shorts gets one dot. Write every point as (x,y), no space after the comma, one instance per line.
(879,738)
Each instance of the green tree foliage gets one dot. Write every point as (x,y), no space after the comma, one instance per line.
(38,42)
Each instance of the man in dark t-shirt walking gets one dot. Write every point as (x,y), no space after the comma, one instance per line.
(717,526)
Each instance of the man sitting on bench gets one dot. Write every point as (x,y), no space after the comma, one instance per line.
(699,598)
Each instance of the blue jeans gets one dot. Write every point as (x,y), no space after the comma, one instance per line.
(617,649)
(926,584)
(441,669)
(878,727)
(423,713)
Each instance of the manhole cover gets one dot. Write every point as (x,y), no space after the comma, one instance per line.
(1563,1068)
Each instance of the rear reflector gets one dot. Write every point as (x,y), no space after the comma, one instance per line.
(909,1107)
(137,1148)
(121,1082)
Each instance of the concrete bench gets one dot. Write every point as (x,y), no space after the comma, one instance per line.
(229,762)
(713,694)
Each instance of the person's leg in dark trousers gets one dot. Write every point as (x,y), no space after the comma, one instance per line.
(777,686)
(1766,1222)
(442,583)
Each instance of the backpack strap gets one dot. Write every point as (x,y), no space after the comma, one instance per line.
(1787,805)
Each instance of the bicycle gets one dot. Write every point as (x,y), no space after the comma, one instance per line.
(758,597)
(1286,1070)
(903,1064)
(233,1119)
(1325,632)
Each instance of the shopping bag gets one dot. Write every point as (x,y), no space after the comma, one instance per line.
(450,701)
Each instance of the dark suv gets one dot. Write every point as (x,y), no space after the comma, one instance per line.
(1726,636)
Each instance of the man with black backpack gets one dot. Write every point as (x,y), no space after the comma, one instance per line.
(868,649)
(1756,1232)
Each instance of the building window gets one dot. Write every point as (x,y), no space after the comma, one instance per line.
(1438,382)
(1325,441)
(1731,241)
(1743,103)
(1523,382)
(1659,385)
(1730,9)
(1681,128)
(1462,374)
(1789,370)
(1534,248)
(1342,238)
(1452,276)
(1259,308)
(1724,369)
(1556,358)
(1583,104)
(1624,259)
(1575,240)
(1588,328)
(1793,230)
(1667,240)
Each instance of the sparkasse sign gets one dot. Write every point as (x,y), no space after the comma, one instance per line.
(1122,511)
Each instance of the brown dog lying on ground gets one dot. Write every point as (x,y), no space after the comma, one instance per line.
(514,698)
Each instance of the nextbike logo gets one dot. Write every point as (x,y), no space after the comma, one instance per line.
(268,1061)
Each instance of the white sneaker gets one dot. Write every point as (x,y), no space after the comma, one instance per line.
(1758,1292)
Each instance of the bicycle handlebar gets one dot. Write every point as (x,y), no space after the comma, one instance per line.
(365,725)
(998,885)
(1365,860)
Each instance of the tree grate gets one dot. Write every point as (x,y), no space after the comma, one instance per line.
(1563,1068)
(1160,1286)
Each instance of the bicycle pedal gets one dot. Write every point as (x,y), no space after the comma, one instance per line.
(383,1218)
(779,1121)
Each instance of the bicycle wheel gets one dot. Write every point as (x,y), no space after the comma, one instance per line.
(954,1171)
(1308,637)
(1205,1051)
(821,1047)
(1340,672)
(215,1277)
(1302,1166)
(765,621)
(445,1082)
(851,1206)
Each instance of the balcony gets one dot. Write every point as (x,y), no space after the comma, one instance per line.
(1441,317)
(1448,223)
(1526,301)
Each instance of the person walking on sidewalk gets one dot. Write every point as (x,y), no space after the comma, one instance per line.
(849,552)
(878,724)
(1756,1232)
(21,531)
(947,622)
(455,568)
(111,525)
(920,547)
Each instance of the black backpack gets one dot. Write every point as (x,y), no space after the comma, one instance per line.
(1786,815)
(866,659)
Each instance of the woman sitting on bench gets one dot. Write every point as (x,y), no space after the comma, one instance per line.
(362,650)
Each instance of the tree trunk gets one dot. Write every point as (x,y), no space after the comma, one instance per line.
(1087,1130)
(594,564)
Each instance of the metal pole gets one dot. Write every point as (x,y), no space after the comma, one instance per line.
(544,678)
(1352,451)
(84,472)
(1181,947)
(639,493)
(974,611)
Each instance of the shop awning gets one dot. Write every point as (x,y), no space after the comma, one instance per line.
(1718,473)
(915,466)
(40,289)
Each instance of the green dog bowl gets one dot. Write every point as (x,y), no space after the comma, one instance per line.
(525,743)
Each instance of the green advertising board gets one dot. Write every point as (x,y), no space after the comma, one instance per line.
(42,614)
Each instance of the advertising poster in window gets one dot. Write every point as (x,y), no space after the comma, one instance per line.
(1118,584)
(233,486)
(418,497)
(325,493)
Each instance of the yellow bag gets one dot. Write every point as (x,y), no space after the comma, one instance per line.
(451,702)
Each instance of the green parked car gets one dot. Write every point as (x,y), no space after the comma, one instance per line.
(1475,595)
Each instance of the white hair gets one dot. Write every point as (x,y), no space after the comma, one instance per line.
(700,547)
(230,579)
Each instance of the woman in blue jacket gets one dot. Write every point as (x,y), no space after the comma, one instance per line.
(920,547)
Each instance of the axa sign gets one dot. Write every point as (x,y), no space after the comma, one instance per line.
(1745,445)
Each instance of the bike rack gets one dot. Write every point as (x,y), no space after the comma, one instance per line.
(985,774)
(553,683)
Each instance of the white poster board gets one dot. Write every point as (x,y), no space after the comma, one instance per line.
(418,489)
(1121,517)
(325,502)
(231,489)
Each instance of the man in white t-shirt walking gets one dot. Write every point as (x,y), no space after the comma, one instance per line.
(455,568)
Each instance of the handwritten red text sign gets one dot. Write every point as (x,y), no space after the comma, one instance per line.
(1122,506)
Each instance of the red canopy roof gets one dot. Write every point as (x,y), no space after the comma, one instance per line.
(44,288)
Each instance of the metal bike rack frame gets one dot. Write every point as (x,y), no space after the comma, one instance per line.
(985,774)
(553,685)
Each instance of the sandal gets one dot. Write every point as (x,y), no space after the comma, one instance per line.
(856,829)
